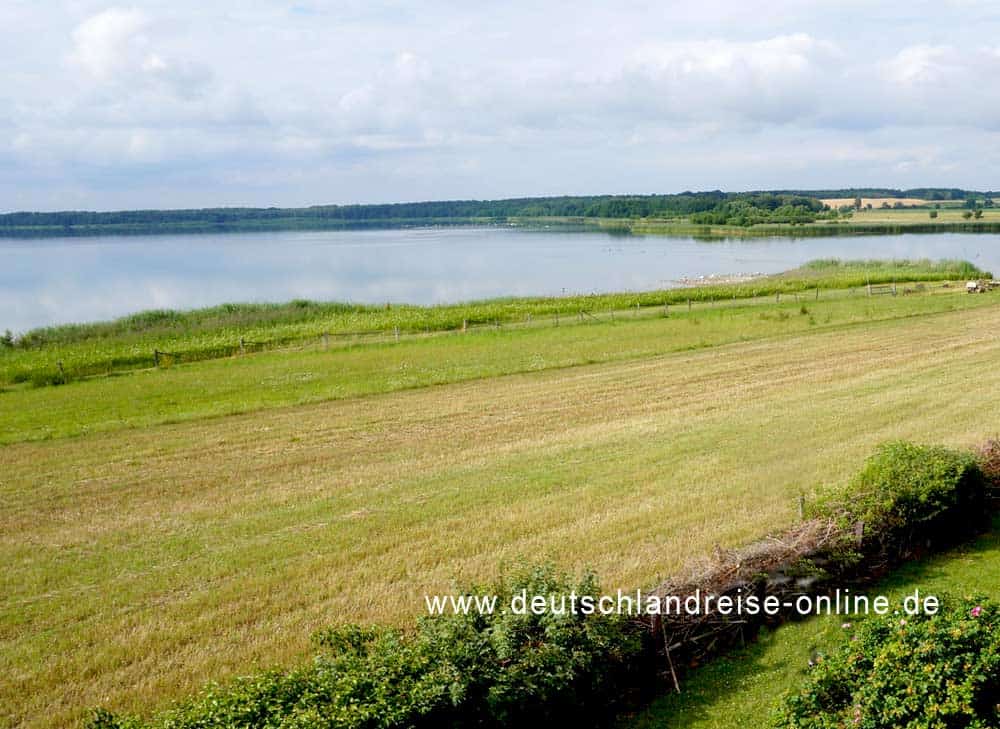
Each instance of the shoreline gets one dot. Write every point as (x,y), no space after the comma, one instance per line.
(679,227)
(719,279)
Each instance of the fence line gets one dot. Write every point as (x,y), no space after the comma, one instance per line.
(324,340)
(582,315)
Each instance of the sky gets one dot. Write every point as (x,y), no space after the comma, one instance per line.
(226,102)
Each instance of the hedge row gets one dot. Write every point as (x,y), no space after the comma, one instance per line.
(504,669)
(485,670)
(907,500)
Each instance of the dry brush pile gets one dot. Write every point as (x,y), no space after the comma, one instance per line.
(907,501)
(501,668)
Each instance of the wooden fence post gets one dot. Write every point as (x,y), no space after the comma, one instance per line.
(156,358)
(802,507)
(326,340)
(395,330)
(465,325)
(243,346)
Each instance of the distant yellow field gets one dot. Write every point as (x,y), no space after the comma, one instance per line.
(910,216)
(875,202)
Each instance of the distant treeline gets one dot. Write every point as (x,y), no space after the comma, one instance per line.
(713,207)
(600,206)
(755,208)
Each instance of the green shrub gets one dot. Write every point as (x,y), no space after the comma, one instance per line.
(46,377)
(910,497)
(920,672)
(488,670)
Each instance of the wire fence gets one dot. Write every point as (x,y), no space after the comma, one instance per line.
(332,340)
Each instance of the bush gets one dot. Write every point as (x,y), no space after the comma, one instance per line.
(488,670)
(988,456)
(47,377)
(911,497)
(916,672)
(503,669)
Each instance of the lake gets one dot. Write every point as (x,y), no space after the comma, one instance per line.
(61,280)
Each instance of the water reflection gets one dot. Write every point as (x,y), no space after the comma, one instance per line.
(60,280)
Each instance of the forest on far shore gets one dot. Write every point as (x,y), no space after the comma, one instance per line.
(709,208)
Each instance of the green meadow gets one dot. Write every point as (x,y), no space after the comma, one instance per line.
(169,526)
(59,353)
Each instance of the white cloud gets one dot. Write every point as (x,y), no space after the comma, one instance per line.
(773,80)
(764,60)
(941,84)
(372,101)
(111,42)
(117,47)
(921,64)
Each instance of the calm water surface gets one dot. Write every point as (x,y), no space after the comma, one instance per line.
(83,279)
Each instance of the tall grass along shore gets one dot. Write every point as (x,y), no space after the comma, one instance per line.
(59,353)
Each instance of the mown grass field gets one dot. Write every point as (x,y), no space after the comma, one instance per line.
(748,684)
(244,384)
(144,557)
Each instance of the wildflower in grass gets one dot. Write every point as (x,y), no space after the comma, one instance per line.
(976,611)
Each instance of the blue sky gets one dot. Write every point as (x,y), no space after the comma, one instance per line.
(219,102)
